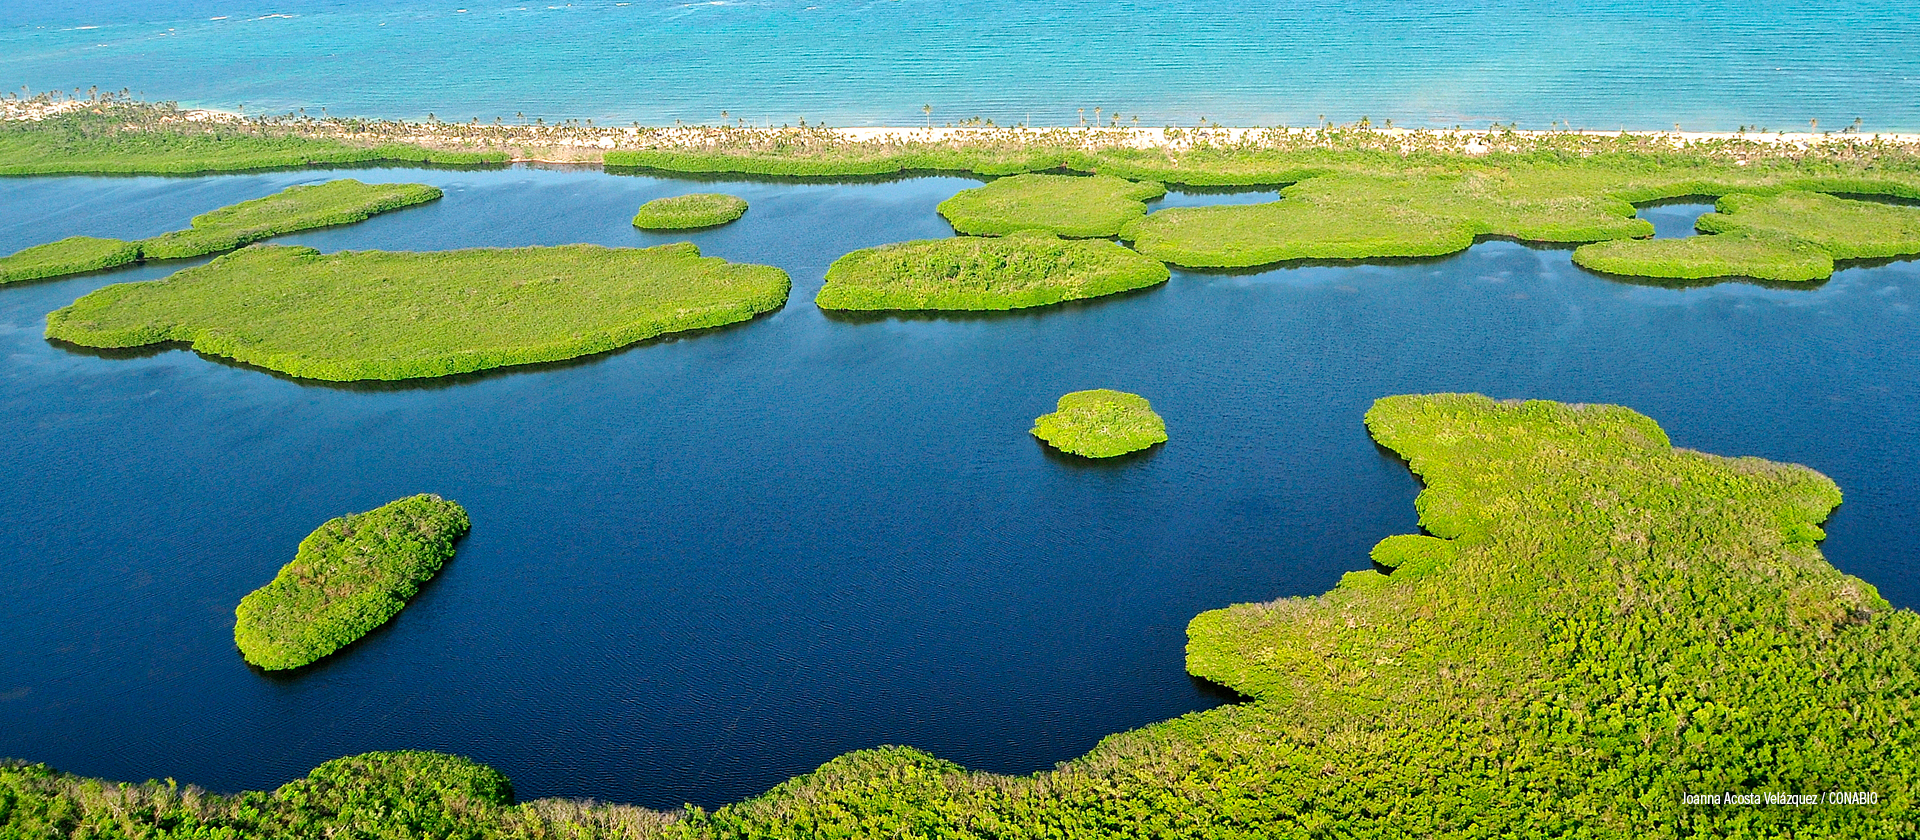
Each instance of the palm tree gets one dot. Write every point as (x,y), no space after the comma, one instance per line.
(929,109)
(1083,116)
(1096,116)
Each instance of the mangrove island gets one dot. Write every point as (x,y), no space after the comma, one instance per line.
(352,574)
(358,315)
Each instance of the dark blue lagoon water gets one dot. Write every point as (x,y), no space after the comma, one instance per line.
(700,566)
(1646,64)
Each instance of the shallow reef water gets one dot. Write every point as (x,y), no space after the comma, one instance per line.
(1605,64)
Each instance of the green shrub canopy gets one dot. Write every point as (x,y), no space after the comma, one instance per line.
(72,255)
(689,212)
(352,574)
(402,315)
(1101,424)
(1027,268)
(1064,205)
(1790,236)
(296,208)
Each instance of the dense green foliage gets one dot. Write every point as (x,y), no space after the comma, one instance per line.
(1597,625)
(1788,236)
(1065,205)
(1101,424)
(125,140)
(400,315)
(1364,216)
(1027,268)
(72,255)
(1349,194)
(1709,257)
(351,574)
(688,212)
(372,796)
(295,208)
(1844,228)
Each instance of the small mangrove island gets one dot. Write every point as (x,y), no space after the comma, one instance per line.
(1065,205)
(1024,269)
(352,574)
(689,212)
(293,209)
(1101,424)
(357,315)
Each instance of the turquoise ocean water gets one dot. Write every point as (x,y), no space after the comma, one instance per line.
(1606,64)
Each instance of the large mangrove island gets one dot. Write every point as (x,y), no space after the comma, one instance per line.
(394,315)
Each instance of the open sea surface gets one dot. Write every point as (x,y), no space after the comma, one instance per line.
(1604,64)
(700,566)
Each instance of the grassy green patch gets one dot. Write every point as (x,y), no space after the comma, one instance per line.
(293,209)
(1709,257)
(401,315)
(352,574)
(72,255)
(1101,424)
(131,140)
(687,212)
(1028,268)
(1844,228)
(296,208)
(1065,205)
(1595,625)
(1788,236)
(1370,216)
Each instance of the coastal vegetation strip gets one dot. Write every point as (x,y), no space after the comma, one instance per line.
(358,315)
(1101,423)
(1352,192)
(120,138)
(293,209)
(351,575)
(1064,205)
(1595,626)
(689,212)
(1027,268)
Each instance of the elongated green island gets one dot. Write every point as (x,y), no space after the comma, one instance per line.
(296,208)
(1027,268)
(1064,205)
(1788,237)
(1595,626)
(351,575)
(357,315)
(1358,215)
(1101,424)
(72,255)
(689,212)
